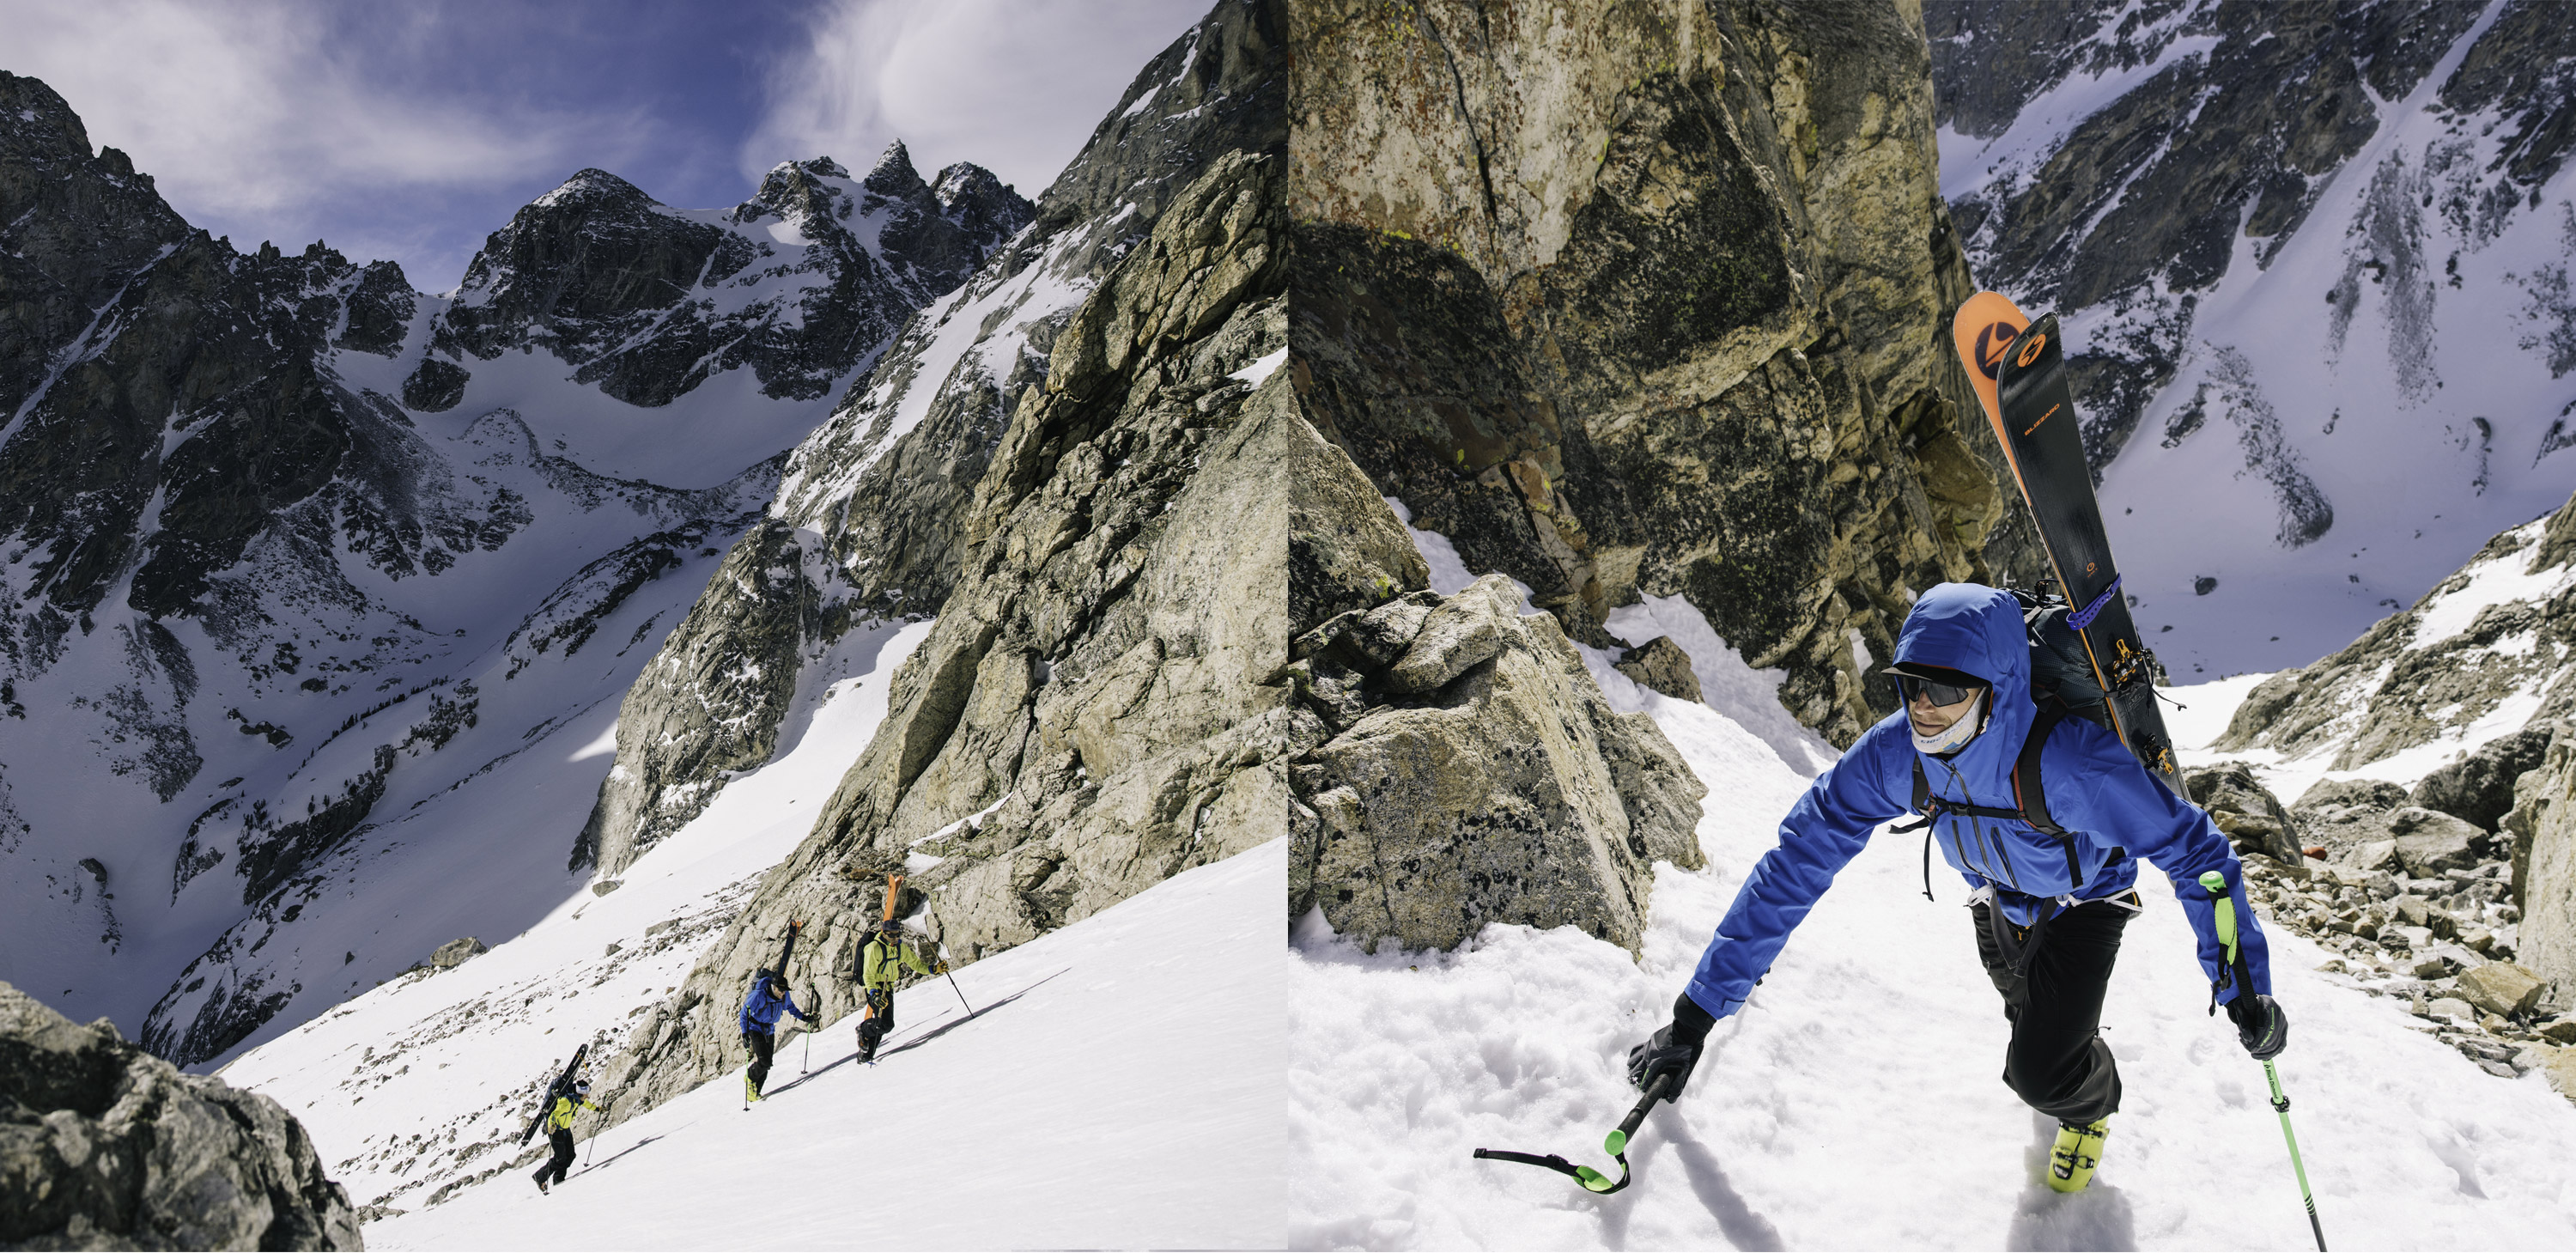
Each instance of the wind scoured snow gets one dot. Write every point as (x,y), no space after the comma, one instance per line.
(1119,1085)
(1854,1103)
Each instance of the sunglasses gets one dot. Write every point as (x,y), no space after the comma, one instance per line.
(1912,689)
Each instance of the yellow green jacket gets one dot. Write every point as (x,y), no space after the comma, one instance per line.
(878,963)
(565,1111)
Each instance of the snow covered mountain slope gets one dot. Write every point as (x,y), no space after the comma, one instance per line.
(2312,267)
(1854,1103)
(1120,1085)
(319,588)
(421,1083)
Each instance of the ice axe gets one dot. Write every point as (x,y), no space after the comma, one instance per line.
(2216,883)
(1616,1144)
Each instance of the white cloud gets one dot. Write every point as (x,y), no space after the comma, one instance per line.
(1015,86)
(253,110)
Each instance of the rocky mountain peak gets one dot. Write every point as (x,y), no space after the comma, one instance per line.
(796,191)
(36,123)
(893,174)
(981,203)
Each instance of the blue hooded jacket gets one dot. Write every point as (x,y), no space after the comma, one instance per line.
(760,1010)
(2104,799)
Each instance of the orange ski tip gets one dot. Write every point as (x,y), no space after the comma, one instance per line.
(1983,330)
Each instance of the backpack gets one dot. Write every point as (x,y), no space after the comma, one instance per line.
(2063,686)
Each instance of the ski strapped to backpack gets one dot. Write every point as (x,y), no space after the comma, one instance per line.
(562,1083)
(1616,1144)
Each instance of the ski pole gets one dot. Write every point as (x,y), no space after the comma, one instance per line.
(1616,1144)
(961,995)
(2216,883)
(817,1001)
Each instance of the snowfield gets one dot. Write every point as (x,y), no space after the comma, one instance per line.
(1120,1084)
(1857,1102)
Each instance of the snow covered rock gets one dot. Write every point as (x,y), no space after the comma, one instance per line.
(104,1146)
(1480,778)
(2482,655)
(1655,313)
(456,953)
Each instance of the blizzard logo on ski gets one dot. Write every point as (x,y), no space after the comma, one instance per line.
(2029,353)
(1992,343)
(2052,412)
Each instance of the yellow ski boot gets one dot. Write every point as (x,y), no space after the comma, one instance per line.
(2077,1152)
(750,1094)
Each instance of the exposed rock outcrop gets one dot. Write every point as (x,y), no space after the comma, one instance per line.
(1635,301)
(1475,775)
(2435,669)
(1099,705)
(2544,863)
(104,1146)
(2254,819)
(867,528)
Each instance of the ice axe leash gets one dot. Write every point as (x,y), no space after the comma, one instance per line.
(1616,1144)
(2216,883)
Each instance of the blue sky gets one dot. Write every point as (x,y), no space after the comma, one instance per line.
(411,130)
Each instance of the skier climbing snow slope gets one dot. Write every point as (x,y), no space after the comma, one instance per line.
(1854,1102)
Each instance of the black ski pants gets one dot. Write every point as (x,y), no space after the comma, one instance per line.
(762,1044)
(2057,1063)
(561,1138)
(879,1021)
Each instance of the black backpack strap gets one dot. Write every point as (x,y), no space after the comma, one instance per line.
(2031,792)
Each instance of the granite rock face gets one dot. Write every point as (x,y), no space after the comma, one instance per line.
(1099,705)
(2544,863)
(1625,301)
(104,1146)
(866,532)
(1475,775)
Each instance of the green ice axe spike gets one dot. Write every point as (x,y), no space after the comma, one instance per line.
(2216,883)
(1616,1143)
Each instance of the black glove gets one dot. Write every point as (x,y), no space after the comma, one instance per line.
(1674,1050)
(2261,1026)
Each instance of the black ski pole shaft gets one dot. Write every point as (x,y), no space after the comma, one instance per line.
(961,995)
(2216,884)
(815,999)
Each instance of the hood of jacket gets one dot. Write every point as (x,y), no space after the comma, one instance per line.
(1977,629)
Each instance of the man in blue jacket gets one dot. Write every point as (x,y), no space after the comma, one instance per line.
(2048,909)
(760,1011)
